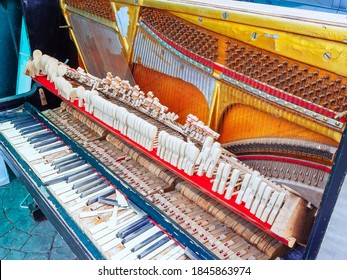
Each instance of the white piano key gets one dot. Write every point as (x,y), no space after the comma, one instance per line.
(61,187)
(42,167)
(68,196)
(48,173)
(110,236)
(19,141)
(97,228)
(112,223)
(12,133)
(9,129)
(171,253)
(111,244)
(130,257)
(94,213)
(106,231)
(27,151)
(103,225)
(31,154)
(65,193)
(5,126)
(121,254)
(142,237)
(158,250)
(177,255)
(116,256)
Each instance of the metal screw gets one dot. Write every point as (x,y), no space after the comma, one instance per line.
(327,55)
(254,35)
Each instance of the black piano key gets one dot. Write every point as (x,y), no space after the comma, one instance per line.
(59,160)
(132,227)
(31,129)
(137,232)
(42,134)
(66,162)
(153,247)
(66,177)
(108,201)
(71,165)
(95,198)
(93,190)
(147,241)
(80,175)
(21,120)
(28,132)
(56,180)
(46,142)
(52,147)
(86,181)
(25,124)
(39,137)
(88,186)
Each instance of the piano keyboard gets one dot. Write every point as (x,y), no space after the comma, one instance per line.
(115,225)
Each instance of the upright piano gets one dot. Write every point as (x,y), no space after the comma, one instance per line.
(189,130)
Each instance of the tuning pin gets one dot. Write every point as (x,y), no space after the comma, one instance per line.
(340,100)
(338,81)
(326,78)
(319,82)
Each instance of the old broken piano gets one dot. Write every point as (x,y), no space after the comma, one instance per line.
(186,132)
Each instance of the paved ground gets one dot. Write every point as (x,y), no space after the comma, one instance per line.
(21,238)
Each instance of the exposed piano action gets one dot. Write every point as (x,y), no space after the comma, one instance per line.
(187,133)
